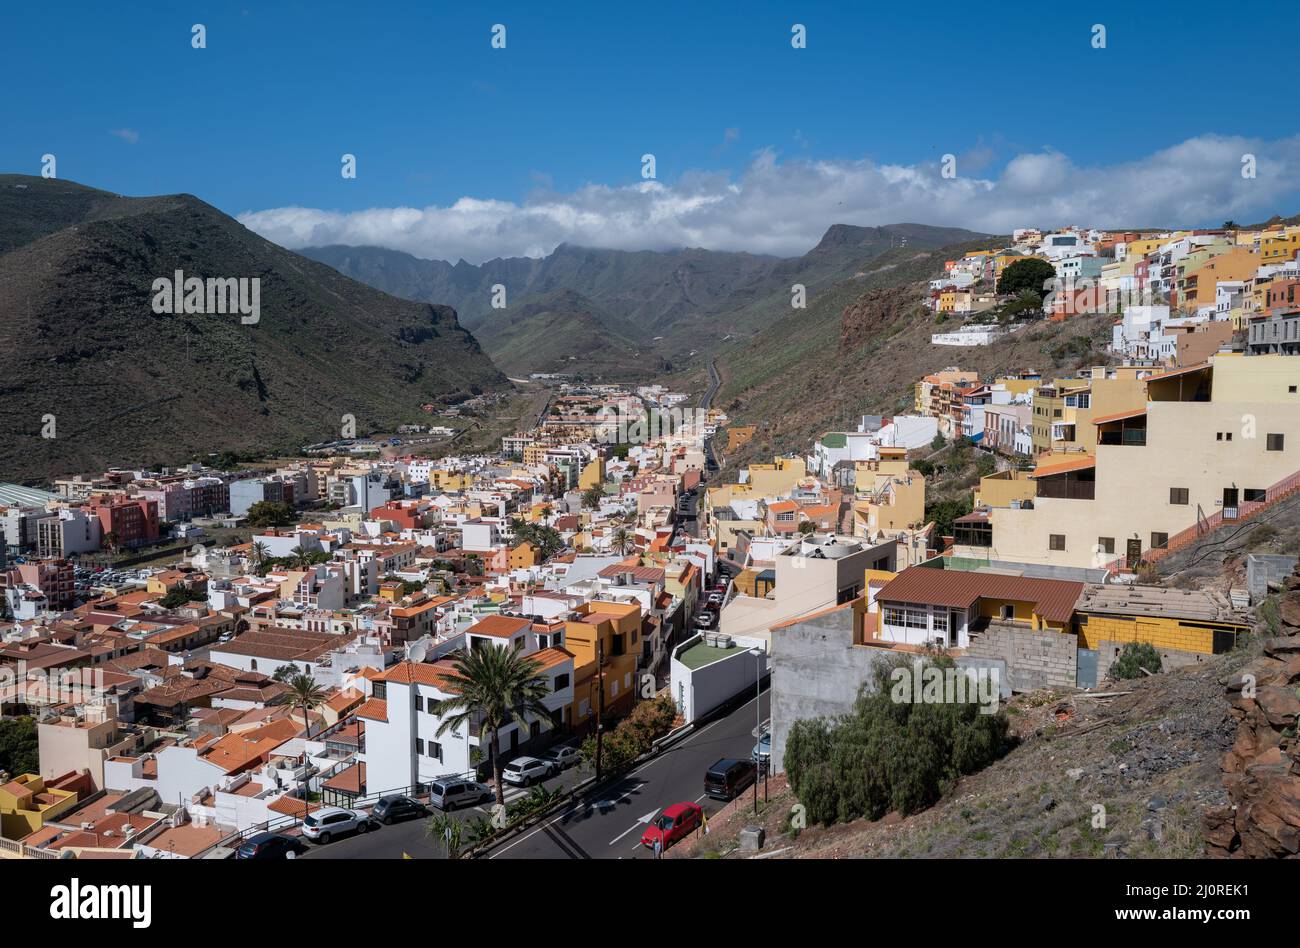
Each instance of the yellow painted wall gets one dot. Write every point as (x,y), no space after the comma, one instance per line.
(1162,633)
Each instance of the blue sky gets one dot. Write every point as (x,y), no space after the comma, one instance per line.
(258,120)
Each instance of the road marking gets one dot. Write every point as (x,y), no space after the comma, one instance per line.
(641,821)
(650,763)
(599,805)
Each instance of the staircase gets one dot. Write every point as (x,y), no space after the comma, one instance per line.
(1203,527)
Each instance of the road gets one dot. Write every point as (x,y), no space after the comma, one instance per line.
(706,401)
(607,822)
(391,842)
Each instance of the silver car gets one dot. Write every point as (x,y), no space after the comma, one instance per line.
(331,821)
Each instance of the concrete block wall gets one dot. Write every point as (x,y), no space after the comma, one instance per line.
(1033,659)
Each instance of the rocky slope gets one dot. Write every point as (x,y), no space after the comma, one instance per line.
(82,349)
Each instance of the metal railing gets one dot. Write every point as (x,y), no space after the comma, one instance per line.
(1206,525)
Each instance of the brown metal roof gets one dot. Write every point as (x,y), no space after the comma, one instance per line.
(1053,599)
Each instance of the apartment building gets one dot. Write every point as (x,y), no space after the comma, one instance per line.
(403,745)
(1208,439)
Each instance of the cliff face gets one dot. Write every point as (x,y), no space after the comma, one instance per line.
(1262,770)
(874,312)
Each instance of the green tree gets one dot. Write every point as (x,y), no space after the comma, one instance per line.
(1028,274)
(269,513)
(937,442)
(592,496)
(622,540)
(891,752)
(944,512)
(19,746)
(258,555)
(494,687)
(305,696)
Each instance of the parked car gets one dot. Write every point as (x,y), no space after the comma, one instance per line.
(674,823)
(523,771)
(706,620)
(330,822)
(562,757)
(391,809)
(268,845)
(762,751)
(727,777)
(450,794)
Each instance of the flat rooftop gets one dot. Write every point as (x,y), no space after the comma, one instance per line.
(1194,605)
(700,654)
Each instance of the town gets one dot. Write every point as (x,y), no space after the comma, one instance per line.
(382,653)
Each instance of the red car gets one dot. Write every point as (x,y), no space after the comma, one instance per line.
(674,823)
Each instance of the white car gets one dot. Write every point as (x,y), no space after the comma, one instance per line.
(331,821)
(562,757)
(523,771)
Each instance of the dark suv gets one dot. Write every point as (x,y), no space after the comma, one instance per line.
(268,846)
(392,809)
(728,777)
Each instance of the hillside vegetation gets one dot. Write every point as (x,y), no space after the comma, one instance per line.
(79,340)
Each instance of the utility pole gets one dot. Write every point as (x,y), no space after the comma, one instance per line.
(600,701)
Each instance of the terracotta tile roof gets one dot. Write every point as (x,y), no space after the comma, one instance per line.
(499,626)
(1054,599)
(550,657)
(376,709)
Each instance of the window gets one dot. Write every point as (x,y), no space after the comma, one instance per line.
(1223,436)
(419,746)
(1106,544)
(1255,494)
(432,705)
(1159,541)
(435,750)
(906,618)
(1275,442)
(1056,541)
(561,682)
(1178,495)
(1291,389)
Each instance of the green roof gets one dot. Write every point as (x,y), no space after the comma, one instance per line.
(699,655)
(835,439)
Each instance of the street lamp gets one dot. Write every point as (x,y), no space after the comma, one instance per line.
(758,716)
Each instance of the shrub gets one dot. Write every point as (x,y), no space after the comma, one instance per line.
(1133,658)
(889,755)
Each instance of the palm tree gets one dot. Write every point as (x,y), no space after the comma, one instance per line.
(497,686)
(259,553)
(305,695)
(623,539)
(112,541)
(299,557)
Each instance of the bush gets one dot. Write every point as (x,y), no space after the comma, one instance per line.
(1133,658)
(649,721)
(889,755)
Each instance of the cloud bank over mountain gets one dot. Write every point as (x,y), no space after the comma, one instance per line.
(783,207)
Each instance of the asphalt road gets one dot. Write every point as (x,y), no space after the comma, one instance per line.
(390,842)
(607,822)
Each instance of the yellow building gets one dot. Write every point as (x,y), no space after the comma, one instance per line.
(890,497)
(778,478)
(1209,440)
(612,631)
(523,556)
(1004,488)
(1279,246)
(1063,411)
(593,475)
(26,803)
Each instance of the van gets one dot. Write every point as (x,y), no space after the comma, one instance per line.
(448,794)
(728,777)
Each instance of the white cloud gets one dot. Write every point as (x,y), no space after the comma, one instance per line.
(126,134)
(784,207)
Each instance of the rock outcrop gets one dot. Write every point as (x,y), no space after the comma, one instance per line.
(1262,770)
